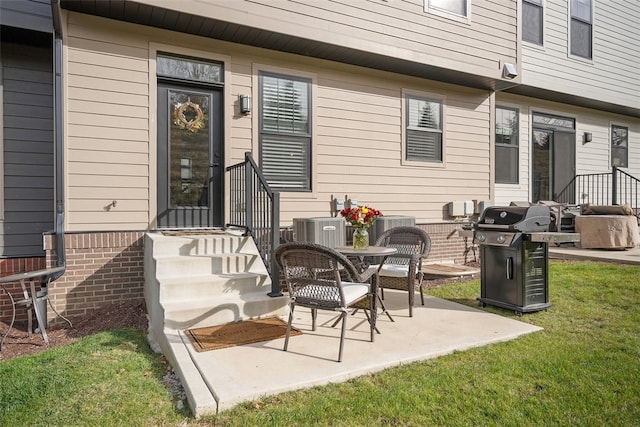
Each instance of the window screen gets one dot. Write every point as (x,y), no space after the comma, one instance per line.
(581,28)
(532,21)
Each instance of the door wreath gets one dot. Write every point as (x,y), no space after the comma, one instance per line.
(189,116)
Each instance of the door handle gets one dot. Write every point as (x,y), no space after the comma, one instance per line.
(212,165)
(509,268)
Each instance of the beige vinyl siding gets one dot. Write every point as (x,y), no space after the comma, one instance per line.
(399,29)
(612,74)
(357,123)
(107,136)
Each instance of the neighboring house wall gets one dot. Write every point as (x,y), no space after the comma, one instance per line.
(592,157)
(26,123)
(28,149)
(611,75)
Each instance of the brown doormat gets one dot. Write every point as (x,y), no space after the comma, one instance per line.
(246,332)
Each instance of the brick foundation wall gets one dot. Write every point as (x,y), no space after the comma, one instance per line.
(10,267)
(447,245)
(102,268)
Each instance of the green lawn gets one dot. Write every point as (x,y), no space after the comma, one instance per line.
(582,370)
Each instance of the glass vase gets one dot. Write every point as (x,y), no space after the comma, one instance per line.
(360,239)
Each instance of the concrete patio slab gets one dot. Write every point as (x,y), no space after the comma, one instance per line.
(244,373)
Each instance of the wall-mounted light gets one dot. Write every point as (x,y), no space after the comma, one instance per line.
(245,104)
(587,137)
(509,71)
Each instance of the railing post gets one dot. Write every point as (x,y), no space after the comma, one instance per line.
(614,186)
(248,197)
(275,242)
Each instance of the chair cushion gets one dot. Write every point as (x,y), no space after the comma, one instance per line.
(352,292)
(392,270)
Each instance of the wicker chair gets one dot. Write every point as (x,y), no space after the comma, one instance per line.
(402,270)
(320,278)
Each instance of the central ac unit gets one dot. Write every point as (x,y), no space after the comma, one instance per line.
(329,231)
(383,223)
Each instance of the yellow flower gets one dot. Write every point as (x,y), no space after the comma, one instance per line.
(365,210)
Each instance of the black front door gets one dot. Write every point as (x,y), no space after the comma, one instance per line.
(190,166)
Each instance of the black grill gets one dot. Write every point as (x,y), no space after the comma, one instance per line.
(514,269)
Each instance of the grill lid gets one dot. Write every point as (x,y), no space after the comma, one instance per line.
(526,219)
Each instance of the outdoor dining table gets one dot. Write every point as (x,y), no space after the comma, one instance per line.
(30,299)
(362,254)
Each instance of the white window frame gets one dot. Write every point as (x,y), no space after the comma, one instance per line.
(310,134)
(515,147)
(615,125)
(440,11)
(431,97)
(542,5)
(569,35)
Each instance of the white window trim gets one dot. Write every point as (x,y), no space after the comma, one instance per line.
(255,147)
(1,143)
(569,54)
(403,144)
(518,109)
(449,15)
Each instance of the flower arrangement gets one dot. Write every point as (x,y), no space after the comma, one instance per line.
(360,217)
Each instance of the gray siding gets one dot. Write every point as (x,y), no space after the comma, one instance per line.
(28,149)
(27,14)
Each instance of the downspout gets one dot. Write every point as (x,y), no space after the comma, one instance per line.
(58,142)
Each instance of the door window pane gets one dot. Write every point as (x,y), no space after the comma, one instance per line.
(285,131)
(424,130)
(507,146)
(189,136)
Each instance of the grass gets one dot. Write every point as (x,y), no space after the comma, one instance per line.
(582,370)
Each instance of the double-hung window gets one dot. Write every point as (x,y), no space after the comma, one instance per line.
(533,21)
(581,29)
(285,131)
(619,146)
(423,129)
(507,146)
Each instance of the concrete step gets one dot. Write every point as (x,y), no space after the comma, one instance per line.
(220,263)
(200,245)
(195,287)
(219,311)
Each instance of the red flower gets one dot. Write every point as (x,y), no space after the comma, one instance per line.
(361,216)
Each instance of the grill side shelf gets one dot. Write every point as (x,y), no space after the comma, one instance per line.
(554,237)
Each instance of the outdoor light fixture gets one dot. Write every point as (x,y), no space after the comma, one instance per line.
(509,71)
(245,104)
(587,137)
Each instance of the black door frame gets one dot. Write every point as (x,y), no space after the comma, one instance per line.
(168,218)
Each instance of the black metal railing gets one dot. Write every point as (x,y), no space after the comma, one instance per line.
(608,188)
(256,208)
